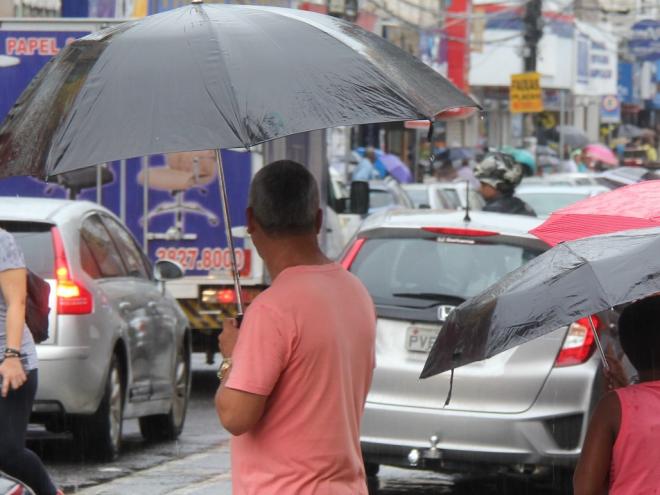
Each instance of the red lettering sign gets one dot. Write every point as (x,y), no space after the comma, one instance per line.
(43,46)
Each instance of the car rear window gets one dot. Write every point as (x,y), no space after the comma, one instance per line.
(35,240)
(420,273)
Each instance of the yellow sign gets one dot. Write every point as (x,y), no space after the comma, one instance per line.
(525,94)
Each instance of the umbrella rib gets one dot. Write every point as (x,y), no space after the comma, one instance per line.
(232,94)
(588,263)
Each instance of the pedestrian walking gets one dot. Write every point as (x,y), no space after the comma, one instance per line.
(295,377)
(622,447)
(366,169)
(499,175)
(18,372)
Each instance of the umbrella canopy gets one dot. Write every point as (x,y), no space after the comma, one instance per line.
(396,168)
(631,207)
(630,131)
(208,77)
(601,153)
(572,136)
(568,282)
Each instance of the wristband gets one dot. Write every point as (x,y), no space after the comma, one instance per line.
(9,352)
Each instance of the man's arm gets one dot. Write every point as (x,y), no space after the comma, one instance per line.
(238,411)
(593,469)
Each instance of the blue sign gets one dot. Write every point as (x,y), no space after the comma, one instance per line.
(625,84)
(583,59)
(22,55)
(610,109)
(645,40)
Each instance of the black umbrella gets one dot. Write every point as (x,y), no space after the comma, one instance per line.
(209,77)
(568,282)
(570,135)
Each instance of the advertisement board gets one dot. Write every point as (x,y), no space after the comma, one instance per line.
(644,41)
(525,94)
(183,216)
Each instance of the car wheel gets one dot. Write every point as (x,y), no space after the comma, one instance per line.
(100,434)
(168,426)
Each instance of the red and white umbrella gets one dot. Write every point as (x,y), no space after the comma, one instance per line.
(601,153)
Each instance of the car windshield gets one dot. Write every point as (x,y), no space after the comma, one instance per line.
(415,272)
(379,198)
(545,203)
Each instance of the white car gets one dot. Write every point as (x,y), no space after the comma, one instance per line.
(545,199)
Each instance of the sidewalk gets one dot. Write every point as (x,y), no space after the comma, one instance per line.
(199,474)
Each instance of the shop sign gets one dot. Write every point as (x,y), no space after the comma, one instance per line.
(625,82)
(645,40)
(525,94)
(610,109)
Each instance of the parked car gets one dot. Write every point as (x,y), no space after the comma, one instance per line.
(386,194)
(562,179)
(119,344)
(546,199)
(430,196)
(623,176)
(522,411)
(459,194)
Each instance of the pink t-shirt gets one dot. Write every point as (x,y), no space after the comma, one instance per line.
(307,343)
(636,453)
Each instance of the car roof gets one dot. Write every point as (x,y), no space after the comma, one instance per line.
(44,209)
(544,188)
(505,224)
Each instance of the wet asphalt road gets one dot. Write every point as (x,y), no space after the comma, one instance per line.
(203,434)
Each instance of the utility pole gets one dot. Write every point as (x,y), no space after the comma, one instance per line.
(533,25)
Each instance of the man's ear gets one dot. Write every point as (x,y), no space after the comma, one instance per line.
(319,220)
(251,222)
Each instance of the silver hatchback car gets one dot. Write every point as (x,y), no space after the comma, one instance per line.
(119,345)
(523,411)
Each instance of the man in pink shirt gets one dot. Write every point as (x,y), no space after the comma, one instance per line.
(295,377)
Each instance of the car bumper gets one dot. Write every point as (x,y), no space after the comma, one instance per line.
(70,380)
(550,432)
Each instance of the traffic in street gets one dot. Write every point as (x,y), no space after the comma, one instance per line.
(329,247)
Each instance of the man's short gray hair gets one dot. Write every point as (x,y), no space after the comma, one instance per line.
(284,198)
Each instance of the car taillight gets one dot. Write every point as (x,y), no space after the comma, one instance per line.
(350,255)
(72,297)
(578,343)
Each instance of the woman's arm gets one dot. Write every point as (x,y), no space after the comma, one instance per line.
(593,469)
(13,284)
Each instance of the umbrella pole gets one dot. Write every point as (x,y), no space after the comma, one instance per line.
(598,344)
(230,239)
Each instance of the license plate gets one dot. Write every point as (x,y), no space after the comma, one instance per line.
(421,339)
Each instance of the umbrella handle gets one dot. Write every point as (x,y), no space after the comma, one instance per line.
(230,240)
(598,344)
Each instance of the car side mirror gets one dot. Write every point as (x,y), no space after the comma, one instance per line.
(359,197)
(167,270)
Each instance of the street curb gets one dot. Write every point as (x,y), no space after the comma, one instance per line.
(207,472)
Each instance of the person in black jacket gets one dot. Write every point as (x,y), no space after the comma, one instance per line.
(499,175)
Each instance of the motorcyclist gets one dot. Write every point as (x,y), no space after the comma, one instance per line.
(499,175)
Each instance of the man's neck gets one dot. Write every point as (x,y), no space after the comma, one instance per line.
(292,251)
